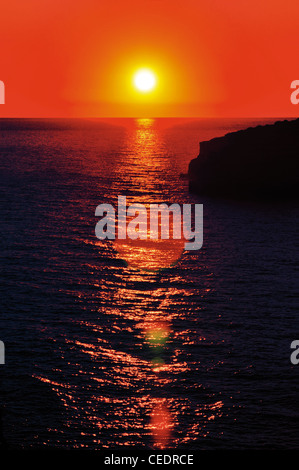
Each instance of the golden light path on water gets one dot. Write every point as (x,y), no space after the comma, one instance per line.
(155,255)
(142,405)
(150,254)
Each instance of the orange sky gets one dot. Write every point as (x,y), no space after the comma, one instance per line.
(212,58)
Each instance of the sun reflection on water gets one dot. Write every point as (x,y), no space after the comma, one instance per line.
(161,424)
(148,254)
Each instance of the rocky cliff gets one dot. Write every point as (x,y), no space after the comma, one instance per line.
(259,162)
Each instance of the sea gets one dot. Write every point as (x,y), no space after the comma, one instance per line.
(113,346)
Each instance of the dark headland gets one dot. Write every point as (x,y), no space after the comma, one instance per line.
(258,162)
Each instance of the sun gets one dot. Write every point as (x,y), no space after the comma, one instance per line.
(145,80)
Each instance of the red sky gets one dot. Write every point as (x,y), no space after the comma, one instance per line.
(212,58)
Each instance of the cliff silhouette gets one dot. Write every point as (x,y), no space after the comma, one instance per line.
(258,162)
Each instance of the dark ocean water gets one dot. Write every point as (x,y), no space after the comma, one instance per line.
(100,354)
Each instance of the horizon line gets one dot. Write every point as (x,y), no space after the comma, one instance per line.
(149,117)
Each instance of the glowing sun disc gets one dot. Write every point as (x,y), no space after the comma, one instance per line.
(144,80)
